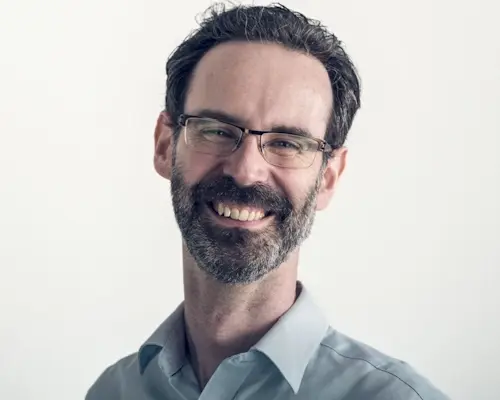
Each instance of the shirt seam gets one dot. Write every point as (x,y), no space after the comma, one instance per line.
(374,366)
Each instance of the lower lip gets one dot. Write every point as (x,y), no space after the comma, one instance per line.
(232,223)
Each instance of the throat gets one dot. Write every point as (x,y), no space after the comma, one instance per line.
(209,346)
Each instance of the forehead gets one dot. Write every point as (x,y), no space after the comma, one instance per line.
(262,85)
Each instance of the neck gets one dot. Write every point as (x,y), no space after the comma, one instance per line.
(223,320)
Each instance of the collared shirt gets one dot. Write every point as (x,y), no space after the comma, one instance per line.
(300,358)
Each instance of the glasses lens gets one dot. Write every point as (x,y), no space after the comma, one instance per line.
(209,136)
(288,151)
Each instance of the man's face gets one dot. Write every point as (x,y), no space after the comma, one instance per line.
(262,86)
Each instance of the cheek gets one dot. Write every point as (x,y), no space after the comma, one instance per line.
(195,166)
(297,184)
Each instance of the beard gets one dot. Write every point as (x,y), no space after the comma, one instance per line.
(238,255)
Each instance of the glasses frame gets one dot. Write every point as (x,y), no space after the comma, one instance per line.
(323,146)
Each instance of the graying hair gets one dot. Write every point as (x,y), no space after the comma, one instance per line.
(269,24)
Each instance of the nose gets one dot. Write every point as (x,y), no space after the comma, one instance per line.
(246,165)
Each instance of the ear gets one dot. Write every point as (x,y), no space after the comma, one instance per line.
(331,174)
(164,141)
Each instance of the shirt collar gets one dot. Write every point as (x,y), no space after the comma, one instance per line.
(292,341)
(170,339)
(289,344)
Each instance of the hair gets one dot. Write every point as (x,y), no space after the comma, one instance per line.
(268,24)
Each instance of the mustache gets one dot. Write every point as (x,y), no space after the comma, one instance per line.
(259,195)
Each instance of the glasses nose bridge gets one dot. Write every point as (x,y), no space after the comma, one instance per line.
(245,133)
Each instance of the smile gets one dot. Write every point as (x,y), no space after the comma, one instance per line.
(235,215)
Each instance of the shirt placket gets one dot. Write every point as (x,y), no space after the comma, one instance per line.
(229,377)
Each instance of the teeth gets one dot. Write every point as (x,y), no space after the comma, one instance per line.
(235,213)
(243,215)
(238,214)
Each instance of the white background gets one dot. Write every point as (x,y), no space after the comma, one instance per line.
(406,259)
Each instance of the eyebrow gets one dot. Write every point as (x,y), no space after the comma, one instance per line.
(231,119)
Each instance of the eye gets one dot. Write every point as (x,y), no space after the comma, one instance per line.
(285,144)
(214,133)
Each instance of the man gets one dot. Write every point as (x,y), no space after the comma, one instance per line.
(258,106)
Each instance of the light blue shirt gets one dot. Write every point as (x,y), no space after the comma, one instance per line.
(300,358)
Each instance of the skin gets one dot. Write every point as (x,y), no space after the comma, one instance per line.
(263,85)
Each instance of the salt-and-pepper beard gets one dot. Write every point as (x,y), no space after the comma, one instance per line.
(237,255)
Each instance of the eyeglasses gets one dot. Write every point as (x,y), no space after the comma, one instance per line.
(286,150)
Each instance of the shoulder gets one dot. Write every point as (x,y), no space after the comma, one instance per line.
(375,375)
(115,380)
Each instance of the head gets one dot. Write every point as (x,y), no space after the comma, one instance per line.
(259,102)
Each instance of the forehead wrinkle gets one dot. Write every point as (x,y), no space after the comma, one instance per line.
(255,83)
